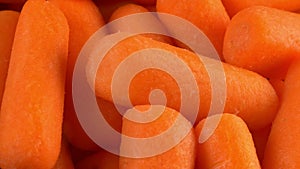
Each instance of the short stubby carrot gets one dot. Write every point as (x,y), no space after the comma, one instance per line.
(181,154)
(208,15)
(150,21)
(8,22)
(234,6)
(230,146)
(64,160)
(246,90)
(32,106)
(283,146)
(263,39)
(84,19)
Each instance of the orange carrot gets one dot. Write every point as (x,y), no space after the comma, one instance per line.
(181,154)
(264,40)
(84,19)
(8,22)
(234,6)
(278,85)
(260,138)
(150,21)
(230,146)
(99,160)
(246,90)
(64,160)
(32,106)
(283,146)
(208,15)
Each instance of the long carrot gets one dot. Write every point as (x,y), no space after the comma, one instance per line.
(8,22)
(84,19)
(208,15)
(181,155)
(246,90)
(283,147)
(32,107)
(263,39)
(230,146)
(64,160)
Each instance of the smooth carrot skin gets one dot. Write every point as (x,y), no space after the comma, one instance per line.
(84,19)
(64,160)
(254,90)
(99,160)
(230,146)
(152,21)
(260,138)
(234,6)
(8,22)
(181,155)
(208,15)
(263,39)
(32,106)
(283,146)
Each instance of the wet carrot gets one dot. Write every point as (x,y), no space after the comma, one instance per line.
(32,106)
(99,160)
(260,138)
(283,148)
(8,22)
(150,21)
(234,6)
(181,155)
(259,94)
(84,19)
(64,160)
(263,39)
(230,146)
(209,16)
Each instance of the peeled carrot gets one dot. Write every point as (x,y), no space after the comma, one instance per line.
(234,6)
(32,106)
(260,138)
(8,22)
(181,155)
(64,160)
(84,19)
(208,15)
(150,21)
(246,90)
(283,146)
(99,160)
(230,146)
(264,40)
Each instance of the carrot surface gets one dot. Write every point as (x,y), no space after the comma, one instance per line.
(208,15)
(263,39)
(8,22)
(181,155)
(32,107)
(230,146)
(84,19)
(283,146)
(278,85)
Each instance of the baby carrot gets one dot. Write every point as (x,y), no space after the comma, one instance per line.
(84,19)
(181,155)
(254,90)
(150,21)
(263,39)
(283,146)
(260,138)
(64,160)
(8,22)
(230,146)
(234,6)
(208,15)
(32,106)
(99,160)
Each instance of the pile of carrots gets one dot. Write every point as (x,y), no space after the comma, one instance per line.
(259,47)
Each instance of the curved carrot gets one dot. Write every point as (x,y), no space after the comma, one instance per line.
(181,155)
(230,146)
(8,22)
(283,146)
(264,40)
(64,160)
(32,106)
(84,19)
(208,15)
(234,6)
(129,9)
(246,90)
(260,138)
